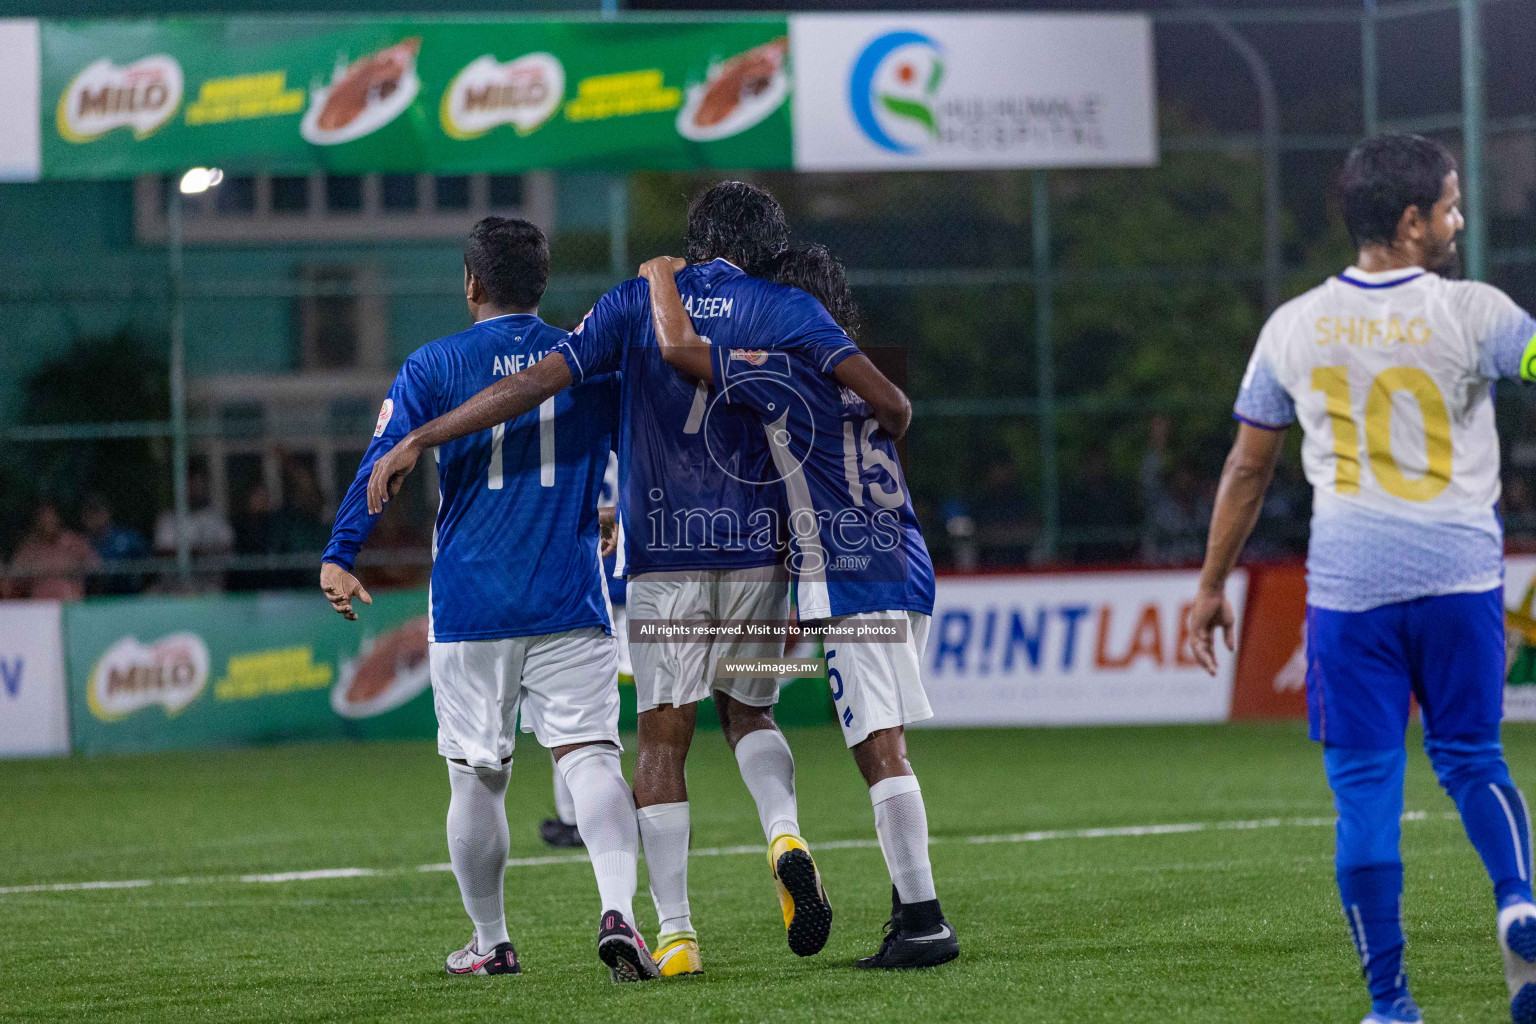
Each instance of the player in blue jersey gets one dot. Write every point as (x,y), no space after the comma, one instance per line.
(701,540)
(859,561)
(1388,368)
(517,617)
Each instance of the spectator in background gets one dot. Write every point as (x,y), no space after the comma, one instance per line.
(253,524)
(1517,507)
(113,543)
(1005,532)
(300,526)
(208,533)
(51,563)
(1102,508)
(1177,506)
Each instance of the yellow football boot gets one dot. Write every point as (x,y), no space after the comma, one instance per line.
(677,955)
(803,900)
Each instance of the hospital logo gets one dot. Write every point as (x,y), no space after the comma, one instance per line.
(893,91)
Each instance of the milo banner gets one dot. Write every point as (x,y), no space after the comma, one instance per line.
(411,94)
(288,94)
(160,673)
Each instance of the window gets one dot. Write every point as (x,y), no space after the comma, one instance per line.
(506,191)
(452,192)
(399,192)
(290,195)
(236,195)
(342,320)
(247,209)
(344,194)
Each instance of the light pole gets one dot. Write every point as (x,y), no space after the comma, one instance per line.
(195,181)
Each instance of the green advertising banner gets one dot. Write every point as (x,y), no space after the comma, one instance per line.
(127,97)
(160,673)
(168,672)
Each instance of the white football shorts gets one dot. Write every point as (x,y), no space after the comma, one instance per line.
(682,672)
(566,685)
(878,685)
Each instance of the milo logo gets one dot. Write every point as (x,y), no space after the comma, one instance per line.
(142,96)
(132,676)
(487,93)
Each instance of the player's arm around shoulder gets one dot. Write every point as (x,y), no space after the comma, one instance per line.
(681,346)
(506,399)
(891,407)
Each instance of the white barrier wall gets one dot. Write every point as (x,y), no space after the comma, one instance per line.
(1078,649)
(33,719)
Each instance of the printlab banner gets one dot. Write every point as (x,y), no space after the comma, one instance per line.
(163,672)
(288,94)
(1079,649)
(33,721)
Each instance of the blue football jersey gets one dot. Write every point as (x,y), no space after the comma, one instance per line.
(697,487)
(515,548)
(855,543)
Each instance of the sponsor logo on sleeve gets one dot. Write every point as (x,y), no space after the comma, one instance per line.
(131,676)
(386,411)
(487,93)
(142,96)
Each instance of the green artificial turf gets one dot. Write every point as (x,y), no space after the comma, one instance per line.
(1218,925)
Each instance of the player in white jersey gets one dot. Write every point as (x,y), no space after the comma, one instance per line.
(1389,368)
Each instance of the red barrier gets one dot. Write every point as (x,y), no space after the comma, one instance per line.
(1271,660)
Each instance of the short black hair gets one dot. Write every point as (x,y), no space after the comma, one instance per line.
(737,221)
(1384,176)
(814,270)
(510,257)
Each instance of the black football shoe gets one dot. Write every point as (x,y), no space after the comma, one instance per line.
(623,950)
(555,832)
(500,960)
(916,936)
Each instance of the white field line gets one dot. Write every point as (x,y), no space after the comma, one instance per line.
(1048,835)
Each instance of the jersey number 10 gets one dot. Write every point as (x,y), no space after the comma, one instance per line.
(497,470)
(1333,382)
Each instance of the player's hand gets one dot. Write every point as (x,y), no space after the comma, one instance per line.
(608,524)
(389,472)
(340,587)
(668,265)
(1211,611)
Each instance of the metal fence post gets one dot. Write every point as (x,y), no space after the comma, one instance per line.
(1045,363)
(173,212)
(1269,116)
(1368,70)
(618,228)
(1475,242)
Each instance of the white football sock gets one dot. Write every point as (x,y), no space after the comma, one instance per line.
(565,810)
(477,846)
(605,816)
(664,831)
(901,821)
(768,769)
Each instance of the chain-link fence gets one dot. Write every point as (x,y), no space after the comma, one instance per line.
(1074,338)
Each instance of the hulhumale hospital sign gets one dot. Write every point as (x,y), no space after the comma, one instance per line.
(115,98)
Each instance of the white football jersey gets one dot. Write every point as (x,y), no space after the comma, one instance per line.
(1390,376)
